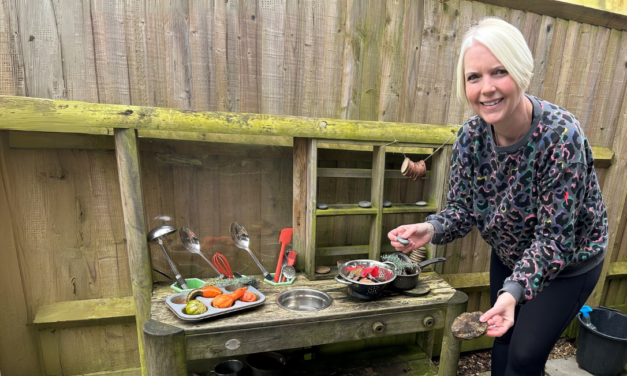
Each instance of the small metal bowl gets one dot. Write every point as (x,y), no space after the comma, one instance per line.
(304,300)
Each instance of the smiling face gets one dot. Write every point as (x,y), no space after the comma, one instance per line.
(491,91)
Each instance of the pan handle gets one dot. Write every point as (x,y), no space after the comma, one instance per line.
(431,261)
(340,280)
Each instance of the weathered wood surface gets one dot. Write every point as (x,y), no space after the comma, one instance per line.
(86,313)
(348,318)
(215,56)
(122,372)
(18,310)
(450,345)
(409,360)
(139,258)
(376,199)
(28,114)
(569,9)
(270,314)
(165,349)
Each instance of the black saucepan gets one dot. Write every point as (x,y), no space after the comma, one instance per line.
(369,290)
(409,281)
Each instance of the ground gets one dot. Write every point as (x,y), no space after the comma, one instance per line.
(475,362)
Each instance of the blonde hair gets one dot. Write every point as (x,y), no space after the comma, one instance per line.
(506,43)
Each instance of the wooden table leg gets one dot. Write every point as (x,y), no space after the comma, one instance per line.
(450,346)
(165,349)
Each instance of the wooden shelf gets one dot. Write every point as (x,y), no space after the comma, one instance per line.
(409,208)
(306,176)
(361,173)
(86,313)
(408,360)
(354,209)
(343,250)
(345,209)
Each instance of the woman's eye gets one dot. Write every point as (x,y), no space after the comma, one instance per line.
(501,72)
(472,77)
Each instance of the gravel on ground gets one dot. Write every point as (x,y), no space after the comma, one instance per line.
(476,362)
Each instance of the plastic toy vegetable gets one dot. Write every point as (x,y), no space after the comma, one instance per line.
(248,297)
(205,292)
(195,307)
(227,300)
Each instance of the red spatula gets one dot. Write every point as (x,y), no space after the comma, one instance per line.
(284,239)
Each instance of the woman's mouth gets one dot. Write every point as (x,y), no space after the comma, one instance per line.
(492,103)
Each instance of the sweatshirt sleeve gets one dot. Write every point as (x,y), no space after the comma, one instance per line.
(561,192)
(457,218)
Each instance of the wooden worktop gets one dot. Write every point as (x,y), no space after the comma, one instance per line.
(270,314)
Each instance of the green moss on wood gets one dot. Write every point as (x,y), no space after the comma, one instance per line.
(86,312)
(44,115)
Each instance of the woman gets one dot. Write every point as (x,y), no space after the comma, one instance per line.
(522,172)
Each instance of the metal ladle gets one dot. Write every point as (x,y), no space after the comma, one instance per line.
(241,240)
(288,272)
(157,234)
(191,243)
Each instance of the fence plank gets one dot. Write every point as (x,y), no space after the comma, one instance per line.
(272,21)
(614,197)
(12,68)
(604,109)
(18,350)
(202,47)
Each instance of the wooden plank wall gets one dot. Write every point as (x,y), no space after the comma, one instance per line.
(371,60)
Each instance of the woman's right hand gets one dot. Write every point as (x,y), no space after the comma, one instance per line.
(418,235)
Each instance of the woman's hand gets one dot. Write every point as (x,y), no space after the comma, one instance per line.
(418,235)
(501,317)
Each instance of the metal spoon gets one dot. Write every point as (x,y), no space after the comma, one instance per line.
(191,243)
(241,240)
(157,234)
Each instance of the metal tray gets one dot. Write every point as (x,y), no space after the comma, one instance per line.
(179,308)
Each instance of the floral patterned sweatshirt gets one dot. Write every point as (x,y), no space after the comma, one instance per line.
(537,202)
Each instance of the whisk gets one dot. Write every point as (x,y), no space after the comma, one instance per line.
(222,264)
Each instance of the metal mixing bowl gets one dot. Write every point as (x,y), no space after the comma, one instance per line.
(304,300)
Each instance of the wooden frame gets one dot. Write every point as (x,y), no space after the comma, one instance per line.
(130,122)
(307,158)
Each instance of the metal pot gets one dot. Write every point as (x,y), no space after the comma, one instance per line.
(266,364)
(409,281)
(228,368)
(369,290)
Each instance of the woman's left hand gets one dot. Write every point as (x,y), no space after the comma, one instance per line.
(501,317)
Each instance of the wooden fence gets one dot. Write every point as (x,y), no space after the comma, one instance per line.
(390,61)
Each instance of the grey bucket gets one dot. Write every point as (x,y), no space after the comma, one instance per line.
(603,351)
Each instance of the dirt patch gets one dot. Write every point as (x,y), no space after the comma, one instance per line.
(476,362)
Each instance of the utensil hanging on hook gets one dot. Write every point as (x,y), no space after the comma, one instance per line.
(157,234)
(241,240)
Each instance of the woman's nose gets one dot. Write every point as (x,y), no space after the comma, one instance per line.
(488,86)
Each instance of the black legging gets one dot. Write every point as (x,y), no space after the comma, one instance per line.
(526,346)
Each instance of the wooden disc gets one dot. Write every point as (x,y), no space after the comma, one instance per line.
(468,326)
(405,165)
(322,269)
(421,289)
